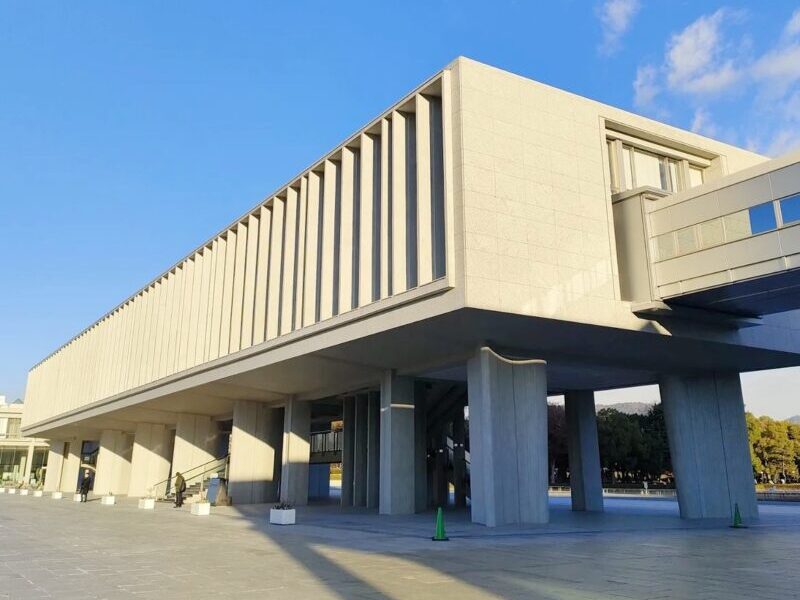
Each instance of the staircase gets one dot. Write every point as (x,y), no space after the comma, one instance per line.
(196,478)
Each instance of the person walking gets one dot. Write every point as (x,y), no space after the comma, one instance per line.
(86,484)
(180,488)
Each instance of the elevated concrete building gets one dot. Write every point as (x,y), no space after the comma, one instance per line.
(486,241)
(23,460)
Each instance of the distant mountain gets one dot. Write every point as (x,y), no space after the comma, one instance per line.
(795,419)
(629,408)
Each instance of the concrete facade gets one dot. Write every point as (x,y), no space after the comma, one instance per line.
(114,463)
(708,444)
(487,236)
(151,458)
(585,476)
(256,443)
(508,418)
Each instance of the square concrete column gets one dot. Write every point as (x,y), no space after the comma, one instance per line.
(420,446)
(397,495)
(195,442)
(296,452)
(508,439)
(439,480)
(26,472)
(113,463)
(360,451)
(585,478)
(70,466)
(256,440)
(459,459)
(373,449)
(55,463)
(348,449)
(150,461)
(709,446)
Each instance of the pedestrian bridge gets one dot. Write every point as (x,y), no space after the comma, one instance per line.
(731,246)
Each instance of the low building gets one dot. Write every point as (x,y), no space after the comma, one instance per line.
(487,241)
(22,459)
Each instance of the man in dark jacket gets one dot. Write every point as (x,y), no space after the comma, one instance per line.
(86,484)
(180,488)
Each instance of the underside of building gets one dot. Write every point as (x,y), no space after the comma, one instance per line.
(486,242)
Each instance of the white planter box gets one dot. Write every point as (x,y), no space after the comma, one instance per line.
(201,509)
(76,497)
(12,491)
(2,490)
(281,517)
(108,500)
(57,495)
(37,494)
(23,492)
(147,503)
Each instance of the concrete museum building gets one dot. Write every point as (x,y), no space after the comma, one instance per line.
(485,242)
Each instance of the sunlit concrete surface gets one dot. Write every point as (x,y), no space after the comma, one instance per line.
(60,549)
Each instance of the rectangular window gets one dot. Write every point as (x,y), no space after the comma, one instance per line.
(762,218)
(648,169)
(790,209)
(695,176)
(711,233)
(627,169)
(665,246)
(14,428)
(750,221)
(686,239)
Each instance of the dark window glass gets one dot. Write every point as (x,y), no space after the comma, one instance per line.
(790,209)
(762,218)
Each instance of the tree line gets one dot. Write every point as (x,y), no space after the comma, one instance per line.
(634,448)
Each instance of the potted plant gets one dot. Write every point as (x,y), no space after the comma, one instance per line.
(108,499)
(282,513)
(23,489)
(149,501)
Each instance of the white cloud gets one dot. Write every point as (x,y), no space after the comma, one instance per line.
(781,66)
(702,123)
(793,26)
(783,141)
(694,62)
(645,87)
(616,17)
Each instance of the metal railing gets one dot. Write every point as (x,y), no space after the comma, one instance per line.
(326,441)
(198,474)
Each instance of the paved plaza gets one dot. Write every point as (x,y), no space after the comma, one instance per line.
(637,549)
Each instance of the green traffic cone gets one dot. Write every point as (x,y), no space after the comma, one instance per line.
(440,535)
(737,518)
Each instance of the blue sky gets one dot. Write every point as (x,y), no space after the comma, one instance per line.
(131,132)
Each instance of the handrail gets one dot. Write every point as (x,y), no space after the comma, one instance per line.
(162,488)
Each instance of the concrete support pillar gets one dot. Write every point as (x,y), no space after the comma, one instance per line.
(26,471)
(459,460)
(708,444)
(420,446)
(348,449)
(585,478)
(113,463)
(508,439)
(55,464)
(195,442)
(256,440)
(440,488)
(150,461)
(70,466)
(319,480)
(296,452)
(397,476)
(360,451)
(373,449)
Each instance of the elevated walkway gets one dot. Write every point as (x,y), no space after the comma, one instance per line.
(730,246)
